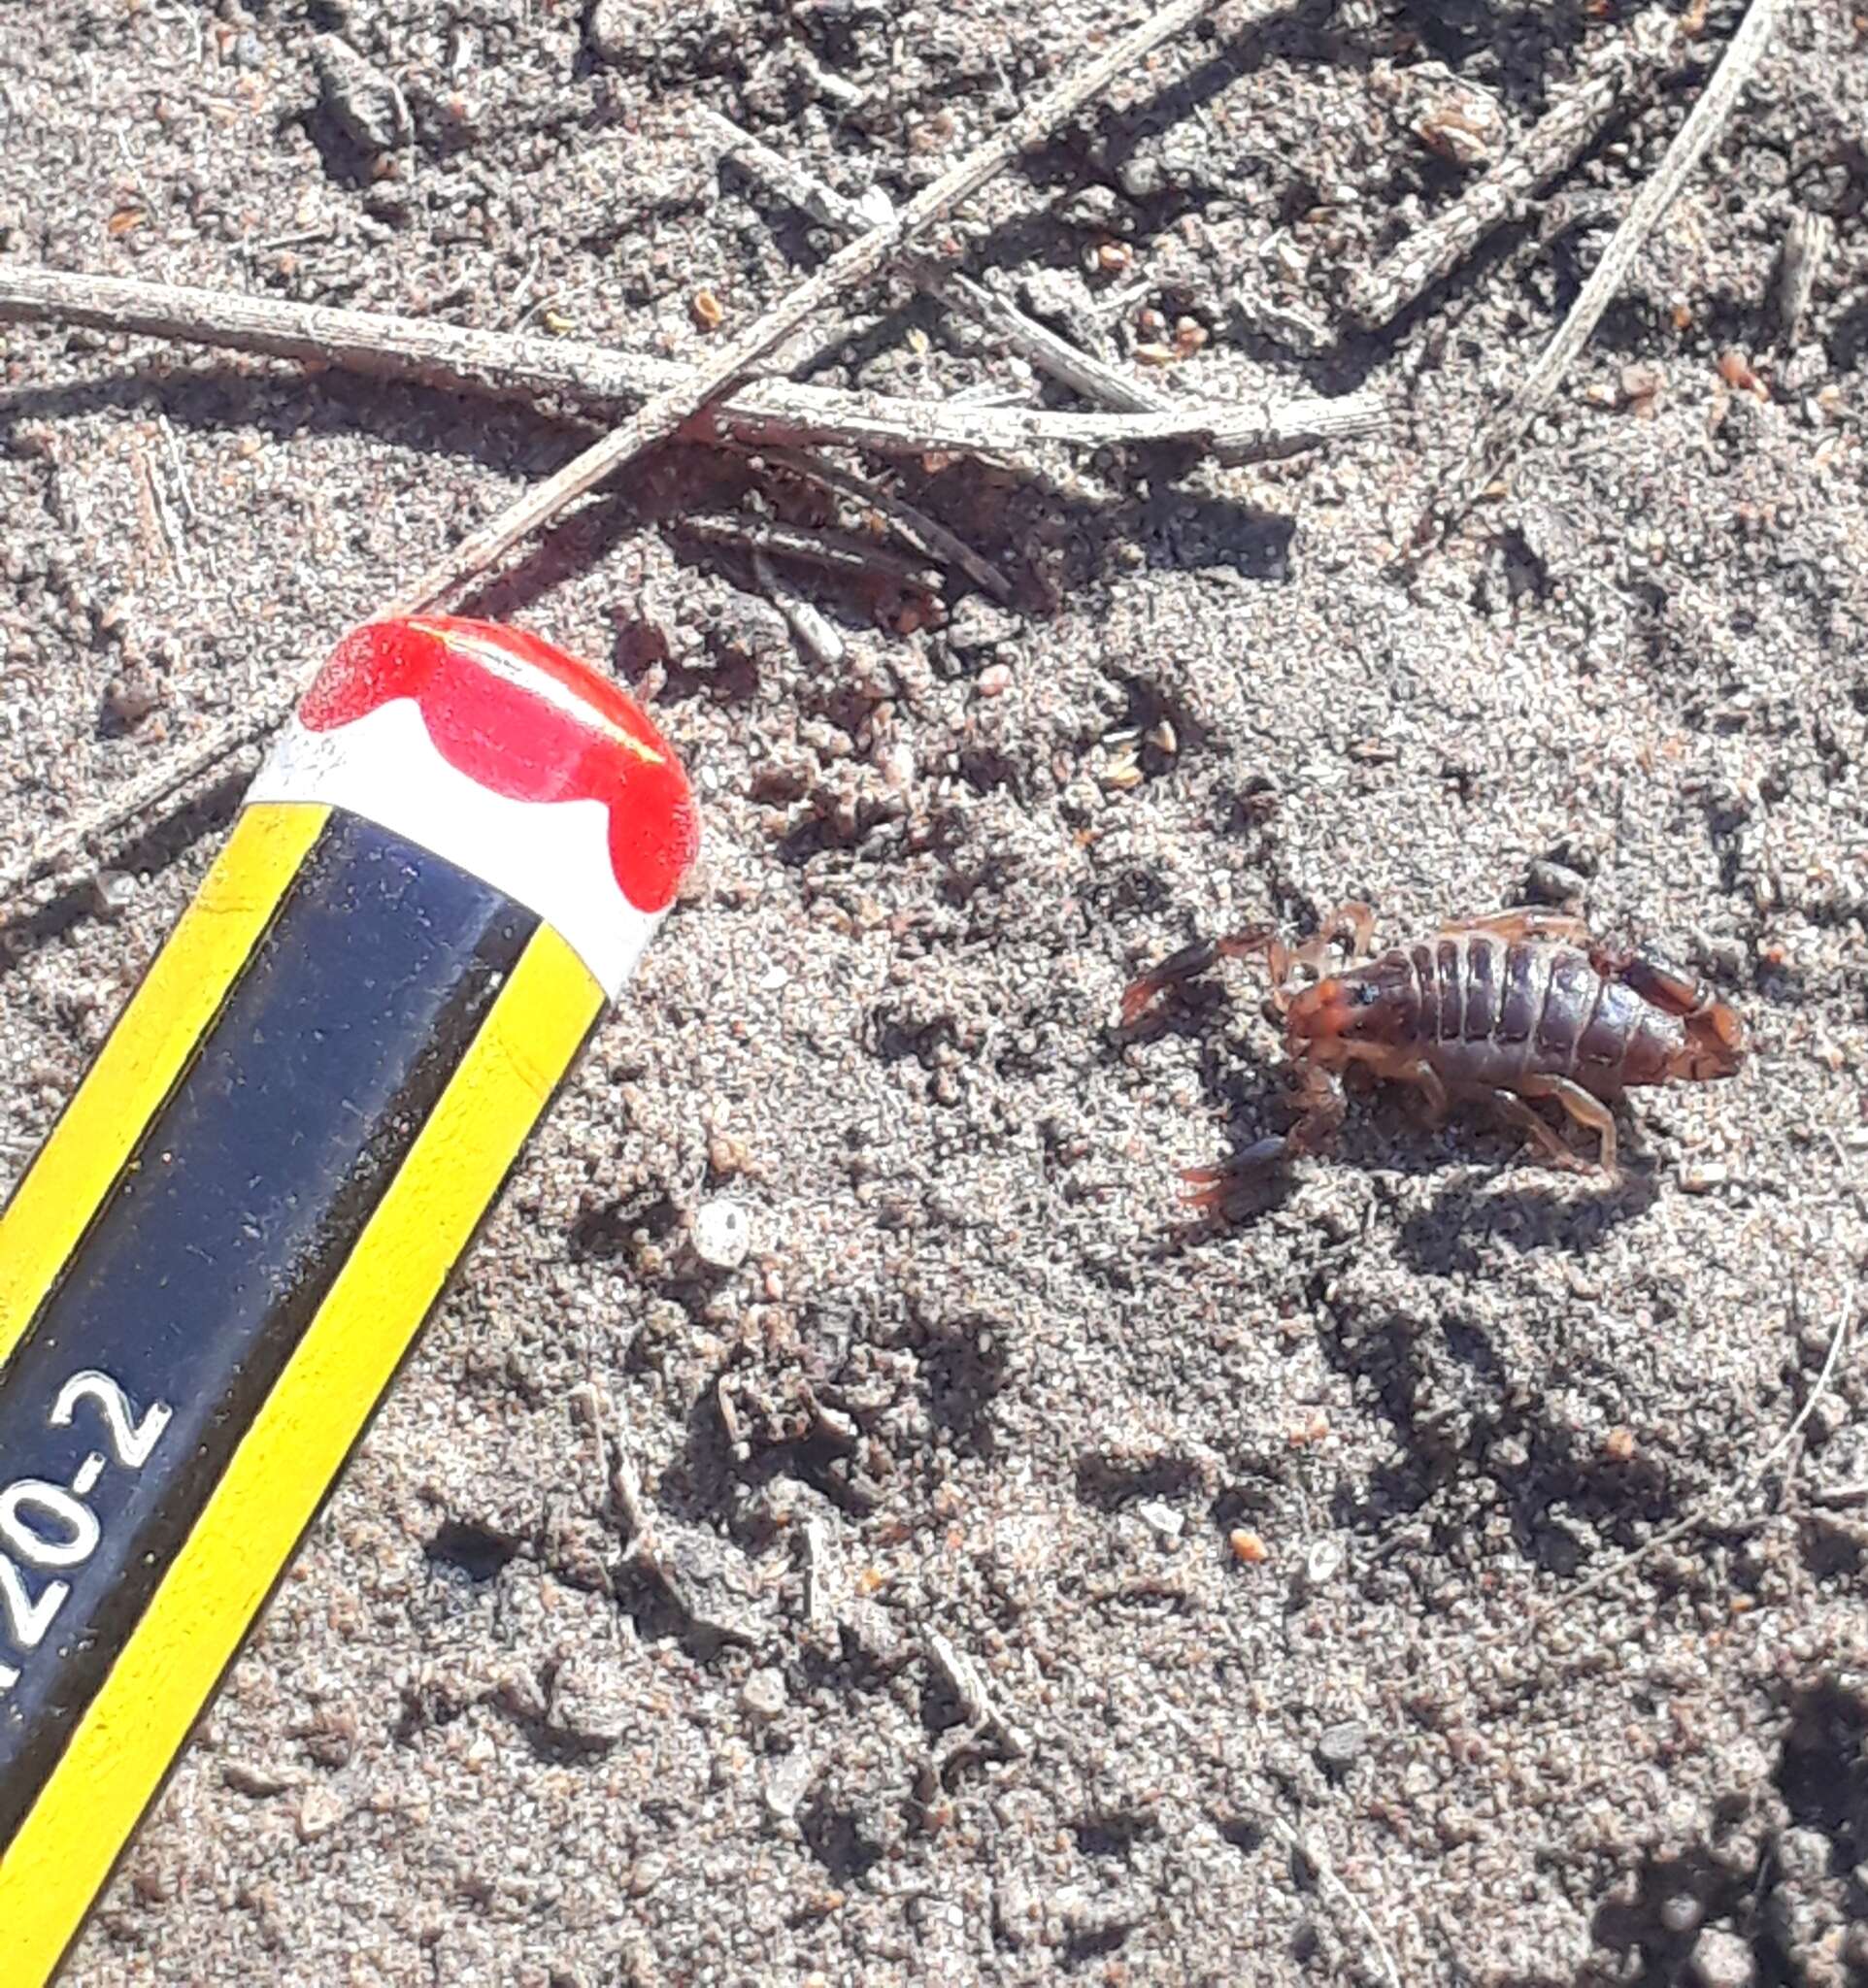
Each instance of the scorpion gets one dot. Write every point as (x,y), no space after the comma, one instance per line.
(1508,1006)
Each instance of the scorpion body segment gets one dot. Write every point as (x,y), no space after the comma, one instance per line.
(1521,1004)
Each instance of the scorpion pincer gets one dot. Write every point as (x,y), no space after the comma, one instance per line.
(1516,1005)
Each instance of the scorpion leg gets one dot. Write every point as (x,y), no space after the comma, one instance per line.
(1352,921)
(1584,1109)
(1319,1096)
(1559,928)
(1510,1105)
(1188,964)
(1432,1089)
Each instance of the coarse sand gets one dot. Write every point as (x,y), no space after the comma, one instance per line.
(993,1579)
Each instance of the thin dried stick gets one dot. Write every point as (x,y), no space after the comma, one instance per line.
(770,411)
(1497,440)
(817,637)
(1326,1878)
(1234,431)
(1762,1468)
(1079,370)
(914,523)
(503,365)
(826,205)
(1629,66)
(839,552)
(852,264)
(1083,371)
(163,513)
(1807,242)
(155,783)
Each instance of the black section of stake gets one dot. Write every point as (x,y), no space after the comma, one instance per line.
(208,1262)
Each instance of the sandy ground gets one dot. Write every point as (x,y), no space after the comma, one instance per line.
(944,1667)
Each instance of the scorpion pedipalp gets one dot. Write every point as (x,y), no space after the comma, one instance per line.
(1208,1189)
(1665,986)
(1195,959)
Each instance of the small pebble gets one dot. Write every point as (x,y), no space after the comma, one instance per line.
(722,1233)
(788,1782)
(358,98)
(590,1707)
(1553,883)
(1162,1520)
(645,1872)
(1342,1745)
(319,1811)
(1456,119)
(763,1694)
(1141,177)
(1721,1959)
(995,680)
(978,623)
(131,698)
(1641,388)
(1247,1546)
(112,893)
(613,29)
(1681,1913)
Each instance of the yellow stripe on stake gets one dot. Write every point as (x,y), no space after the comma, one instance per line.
(288,1458)
(148,1052)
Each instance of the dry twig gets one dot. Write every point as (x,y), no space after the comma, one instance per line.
(1806,247)
(771,411)
(856,262)
(1497,439)
(817,637)
(504,365)
(1076,368)
(163,517)
(1327,1878)
(961,1677)
(1762,1468)
(929,534)
(792,415)
(843,552)
(147,789)
(1652,44)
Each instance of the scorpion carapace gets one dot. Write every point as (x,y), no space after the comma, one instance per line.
(1518,1004)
